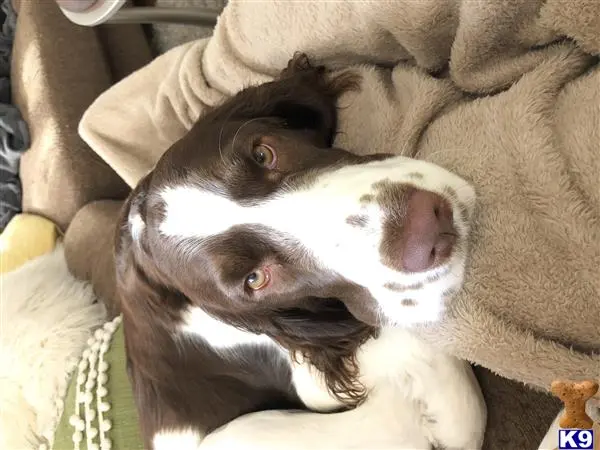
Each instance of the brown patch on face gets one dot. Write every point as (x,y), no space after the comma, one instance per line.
(397,287)
(408,302)
(450,193)
(357,221)
(393,199)
(381,184)
(452,196)
(415,175)
(392,196)
(367,198)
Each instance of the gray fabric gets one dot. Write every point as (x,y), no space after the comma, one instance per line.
(165,36)
(14,134)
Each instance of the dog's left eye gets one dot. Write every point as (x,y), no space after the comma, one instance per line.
(264,156)
(258,279)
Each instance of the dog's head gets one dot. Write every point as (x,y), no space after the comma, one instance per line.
(257,219)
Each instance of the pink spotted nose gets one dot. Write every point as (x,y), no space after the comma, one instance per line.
(429,235)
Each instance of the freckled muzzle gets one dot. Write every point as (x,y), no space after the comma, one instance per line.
(396,215)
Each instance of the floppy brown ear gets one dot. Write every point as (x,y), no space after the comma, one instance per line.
(304,97)
(144,304)
(139,287)
(328,336)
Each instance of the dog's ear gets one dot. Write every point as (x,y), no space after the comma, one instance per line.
(140,291)
(326,335)
(147,306)
(304,98)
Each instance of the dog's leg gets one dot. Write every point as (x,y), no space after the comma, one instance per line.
(455,412)
(448,402)
(378,424)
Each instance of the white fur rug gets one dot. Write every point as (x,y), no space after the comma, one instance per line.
(46,318)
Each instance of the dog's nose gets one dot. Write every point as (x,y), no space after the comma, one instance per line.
(429,233)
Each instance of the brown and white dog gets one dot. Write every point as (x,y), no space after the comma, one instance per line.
(263,271)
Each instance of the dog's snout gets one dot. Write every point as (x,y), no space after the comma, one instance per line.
(429,234)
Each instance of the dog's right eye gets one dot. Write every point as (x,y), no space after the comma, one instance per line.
(264,156)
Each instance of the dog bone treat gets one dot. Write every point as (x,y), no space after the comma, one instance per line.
(575,395)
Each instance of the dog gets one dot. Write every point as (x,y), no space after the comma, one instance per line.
(267,277)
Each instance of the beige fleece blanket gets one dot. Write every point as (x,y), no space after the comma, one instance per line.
(516,111)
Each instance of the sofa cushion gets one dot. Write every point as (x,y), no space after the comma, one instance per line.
(58,69)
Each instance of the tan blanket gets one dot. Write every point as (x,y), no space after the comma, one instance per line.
(517,114)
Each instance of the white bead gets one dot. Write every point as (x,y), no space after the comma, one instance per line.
(77,437)
(93,358)
(74,420)
(83,364)
(102,378)
(92,432)
(81,378)
(93,374)
(88,397)
(96,346)
(106,425)
(99,333)
(86,353)
(104,347)
(106,445)
(101,391)
(103,366)
(91,414)
(104,406)
(80,426)
(93,446)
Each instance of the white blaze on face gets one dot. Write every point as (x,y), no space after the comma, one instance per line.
(315,217)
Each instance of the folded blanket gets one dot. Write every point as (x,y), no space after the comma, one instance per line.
(506,94)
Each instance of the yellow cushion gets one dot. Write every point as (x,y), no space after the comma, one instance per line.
(26,237)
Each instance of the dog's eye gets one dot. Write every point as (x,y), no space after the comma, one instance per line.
(264,156)
(258,279)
